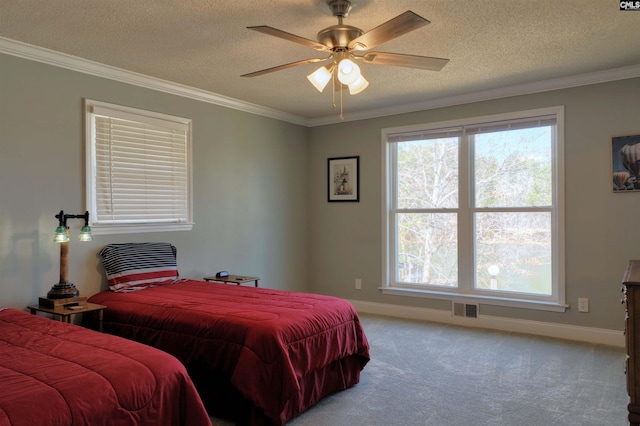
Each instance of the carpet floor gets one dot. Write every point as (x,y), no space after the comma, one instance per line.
(424,373)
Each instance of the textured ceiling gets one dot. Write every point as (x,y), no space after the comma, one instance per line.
(205,44)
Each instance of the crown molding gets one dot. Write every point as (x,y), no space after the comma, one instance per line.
(74,63)
(632,71)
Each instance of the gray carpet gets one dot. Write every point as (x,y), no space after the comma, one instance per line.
(424,373)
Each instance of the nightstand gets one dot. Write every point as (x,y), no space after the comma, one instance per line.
(65,312)
(234,279)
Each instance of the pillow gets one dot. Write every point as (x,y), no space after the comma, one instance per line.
(134,266)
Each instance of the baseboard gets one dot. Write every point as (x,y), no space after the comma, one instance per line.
(561,331)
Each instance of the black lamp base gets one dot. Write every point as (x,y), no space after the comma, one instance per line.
(63,291)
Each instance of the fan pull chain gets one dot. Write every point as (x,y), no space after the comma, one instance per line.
(333,92)
(341,116)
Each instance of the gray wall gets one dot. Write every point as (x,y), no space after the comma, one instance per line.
(249,183)
(602,228)
(260,201)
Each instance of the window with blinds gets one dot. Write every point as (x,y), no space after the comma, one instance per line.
(138,170)
(474,209)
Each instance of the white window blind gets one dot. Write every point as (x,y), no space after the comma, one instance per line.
(475,128)
(140,168)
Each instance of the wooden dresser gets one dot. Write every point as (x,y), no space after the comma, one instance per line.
(631,289)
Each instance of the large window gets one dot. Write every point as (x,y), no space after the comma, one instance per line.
(138,170)
(474,209)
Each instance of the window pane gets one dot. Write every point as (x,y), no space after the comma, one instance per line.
(513,252)
(513,168)
(427,249)
(427,174)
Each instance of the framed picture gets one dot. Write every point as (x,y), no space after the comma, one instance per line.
(344,179)
(625,159)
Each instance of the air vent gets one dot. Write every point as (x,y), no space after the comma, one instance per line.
(468,310)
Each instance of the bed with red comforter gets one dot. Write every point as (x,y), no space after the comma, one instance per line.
(256,355)
(53,373)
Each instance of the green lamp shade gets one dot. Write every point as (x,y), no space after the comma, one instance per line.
(62,235)
(85,234)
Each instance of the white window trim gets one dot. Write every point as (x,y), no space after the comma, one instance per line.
(128,228)
(558,244)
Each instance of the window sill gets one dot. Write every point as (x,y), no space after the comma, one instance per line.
(97,229)
(475,298)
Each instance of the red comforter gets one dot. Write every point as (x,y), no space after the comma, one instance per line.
(52,373)
(282,351)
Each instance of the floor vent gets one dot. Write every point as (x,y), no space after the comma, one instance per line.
(468,310)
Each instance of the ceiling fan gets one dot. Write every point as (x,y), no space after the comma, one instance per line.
(346,43)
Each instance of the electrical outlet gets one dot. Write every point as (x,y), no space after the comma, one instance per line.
(583,304)
(358,284)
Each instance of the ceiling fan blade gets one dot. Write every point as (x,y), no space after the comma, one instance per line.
(291,37)
(285,66)
(401,24)
(402,60)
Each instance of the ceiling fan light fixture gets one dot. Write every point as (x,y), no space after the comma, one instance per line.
(319,78)
(342,42)
(358,86)
(348,71)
